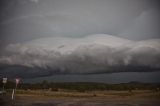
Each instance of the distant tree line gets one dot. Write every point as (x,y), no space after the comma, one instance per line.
(83,86)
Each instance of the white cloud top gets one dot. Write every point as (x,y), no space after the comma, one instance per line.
(91,54)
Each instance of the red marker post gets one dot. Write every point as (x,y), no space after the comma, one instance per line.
(14,90)
(17,82)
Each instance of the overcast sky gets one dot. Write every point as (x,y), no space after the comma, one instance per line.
(22,20)
(78,36)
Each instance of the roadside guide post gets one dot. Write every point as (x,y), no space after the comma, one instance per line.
(4,81)
(14,90)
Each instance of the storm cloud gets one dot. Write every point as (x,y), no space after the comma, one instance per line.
(48,37)
(24,20)
(98,53)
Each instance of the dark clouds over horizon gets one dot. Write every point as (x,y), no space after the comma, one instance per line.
(92,54)
(46,37)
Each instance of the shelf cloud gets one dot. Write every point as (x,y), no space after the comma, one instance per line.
(91,54)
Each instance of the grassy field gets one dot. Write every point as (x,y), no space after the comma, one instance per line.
(110,93)
(88,98)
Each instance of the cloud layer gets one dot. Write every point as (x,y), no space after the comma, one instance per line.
(24,20)
(91,54)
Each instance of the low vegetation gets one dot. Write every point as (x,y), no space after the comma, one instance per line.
(84,86)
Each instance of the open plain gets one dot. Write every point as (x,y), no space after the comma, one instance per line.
(72,98)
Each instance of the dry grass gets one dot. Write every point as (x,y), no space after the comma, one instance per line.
(107,94)
(92,98)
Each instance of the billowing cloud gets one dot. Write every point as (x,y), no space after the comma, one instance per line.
(91,54)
